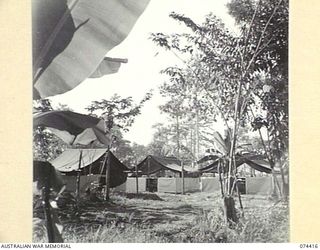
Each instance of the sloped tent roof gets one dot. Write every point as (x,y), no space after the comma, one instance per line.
(254,161)
(91,163)
(152,164)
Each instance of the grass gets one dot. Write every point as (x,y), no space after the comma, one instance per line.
(164,218)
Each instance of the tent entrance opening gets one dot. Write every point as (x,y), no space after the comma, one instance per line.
(152,184)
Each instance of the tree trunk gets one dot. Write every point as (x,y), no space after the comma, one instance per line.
(239,197)
(220,179)
(191,145)
(230,210)
(47,213)
(178,136)
(197,136)
(276,187)
(53,234)
(285,186)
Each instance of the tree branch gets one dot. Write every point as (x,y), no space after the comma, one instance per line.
(261,37)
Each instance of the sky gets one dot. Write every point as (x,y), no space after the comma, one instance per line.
(145,60)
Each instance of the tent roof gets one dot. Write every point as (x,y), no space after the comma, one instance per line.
(152,164)
(256,162)
(91,163)
(69,160)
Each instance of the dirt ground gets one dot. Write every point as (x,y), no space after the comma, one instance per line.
(155,209)
(168,216)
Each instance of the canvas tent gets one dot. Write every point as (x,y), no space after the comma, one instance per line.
(155,164)
(252,185)
(256,162)
(92,167)
(164,167)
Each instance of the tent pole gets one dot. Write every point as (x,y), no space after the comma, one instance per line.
(148,174)
(78,178)
(103,164)
(108,176)
(137,183)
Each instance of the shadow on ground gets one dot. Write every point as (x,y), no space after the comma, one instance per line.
(143,209)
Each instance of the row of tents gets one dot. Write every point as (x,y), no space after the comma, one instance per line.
(261,185)
(77,129)
(152,174)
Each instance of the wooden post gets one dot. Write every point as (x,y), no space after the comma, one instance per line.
(137,179)
(78,178)
(182,175)
(148,162)
(107,191)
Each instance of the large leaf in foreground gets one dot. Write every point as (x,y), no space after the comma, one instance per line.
(71,39)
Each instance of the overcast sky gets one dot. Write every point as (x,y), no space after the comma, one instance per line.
(141,73)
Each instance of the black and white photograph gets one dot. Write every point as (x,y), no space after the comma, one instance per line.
(160,121)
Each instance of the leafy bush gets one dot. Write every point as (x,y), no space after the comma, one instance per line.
(270,225)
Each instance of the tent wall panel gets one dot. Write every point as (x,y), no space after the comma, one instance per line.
(167,185)
(210,184)
(70,182)
(259,185)
(121,188)
(85,181)
(174,185)
(190,184)
(131,185)
(179,185)
(193,184)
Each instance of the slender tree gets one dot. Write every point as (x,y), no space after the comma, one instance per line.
(228,65)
